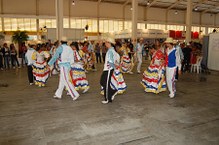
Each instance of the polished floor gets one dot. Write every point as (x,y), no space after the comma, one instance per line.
(30,116)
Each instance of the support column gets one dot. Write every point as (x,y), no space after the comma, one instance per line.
(166,19)
(2,19)
(206,30)
(123,16)
(59,19)
(188,20)
(145,17)
(215,16)
(69,14)
(200,21)
(134,18)
(37,20)
(38,29)
(98,20)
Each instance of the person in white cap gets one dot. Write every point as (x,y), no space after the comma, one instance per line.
(139,49)
(109,67)
(172,61)
(65,55)
(29,61)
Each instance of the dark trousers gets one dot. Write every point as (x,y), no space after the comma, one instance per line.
(186,64)
(177,75)
(6,61)
(30,73)
(1,61)
(98,57)
(14,60)
(103,56)
(105,83)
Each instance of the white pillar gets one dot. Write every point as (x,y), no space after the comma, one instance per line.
(59,19)
(98,20)
(134,18)
(123,16)
(69,14)
(166,19)
(188,20)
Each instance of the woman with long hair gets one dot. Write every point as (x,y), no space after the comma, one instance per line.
(77,72)
(154,76)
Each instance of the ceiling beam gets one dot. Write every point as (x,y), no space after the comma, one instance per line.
(173,5)
(126,3)
(199,2)
(212,7)
(152,3)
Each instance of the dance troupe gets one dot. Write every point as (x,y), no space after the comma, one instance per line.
(72,62)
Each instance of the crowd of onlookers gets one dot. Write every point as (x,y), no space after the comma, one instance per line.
(188,51)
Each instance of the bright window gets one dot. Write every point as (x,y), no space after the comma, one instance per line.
(141,26)
(66,23)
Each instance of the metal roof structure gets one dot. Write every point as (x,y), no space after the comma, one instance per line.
(202,6)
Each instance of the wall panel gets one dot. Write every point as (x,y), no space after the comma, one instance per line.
(27,7)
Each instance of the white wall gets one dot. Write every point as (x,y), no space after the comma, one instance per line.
(84,9)
(208,19)
(88,9)
(111,11)
(22,7)
(155,14)
(196,18)
(46,7)
(176,18)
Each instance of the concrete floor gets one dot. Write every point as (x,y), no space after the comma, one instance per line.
(30,116)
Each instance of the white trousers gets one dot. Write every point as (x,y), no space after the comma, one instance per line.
(65,81)
(170,79)
(139,59)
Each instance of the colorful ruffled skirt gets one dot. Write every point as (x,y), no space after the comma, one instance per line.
(154,79)
(41,73)
(117,82)
(79,78)
(126,64)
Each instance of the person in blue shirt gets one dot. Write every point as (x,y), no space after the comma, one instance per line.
(65,55)
(109,67)
(172,61)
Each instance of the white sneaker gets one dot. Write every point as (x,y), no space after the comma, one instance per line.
(68,94)
(105,102)
(56,97)
(113,97)
(171,95)
(130,72)
(86,90)
(139,72)
(31,84)
(75,98)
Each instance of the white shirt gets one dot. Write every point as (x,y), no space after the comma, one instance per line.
(110,59)
(28,56)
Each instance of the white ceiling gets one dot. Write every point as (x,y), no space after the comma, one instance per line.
(204,6)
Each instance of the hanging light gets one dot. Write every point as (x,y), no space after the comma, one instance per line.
(196,9)
(131,9)
(73,3)
(148,3)
(176,12)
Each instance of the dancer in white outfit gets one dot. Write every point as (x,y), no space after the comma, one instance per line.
(65,55)
(172,61)
(139,50)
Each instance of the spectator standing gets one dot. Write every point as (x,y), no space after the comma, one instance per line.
(30,62)
(103,49)
(1,59)
(97,52)
(139,49)
(6,55)
(14,59)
